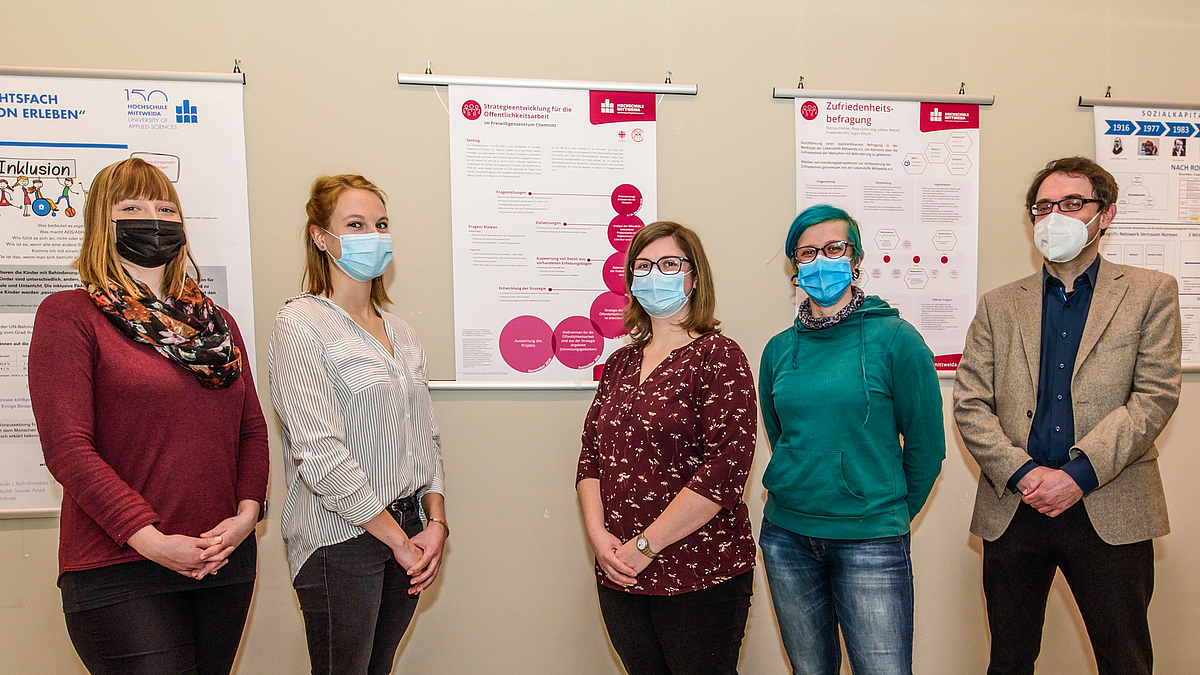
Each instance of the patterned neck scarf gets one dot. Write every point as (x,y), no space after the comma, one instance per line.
(188,330)
(804,313)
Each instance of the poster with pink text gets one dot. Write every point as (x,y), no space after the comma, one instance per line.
(908,172)
(548,187)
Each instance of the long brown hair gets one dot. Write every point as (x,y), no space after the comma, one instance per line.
(322,200)
(98,263)
(702,306)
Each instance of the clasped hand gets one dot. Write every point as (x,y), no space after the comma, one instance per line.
(421,556)
(197,557)
(621,563)
(1050,491)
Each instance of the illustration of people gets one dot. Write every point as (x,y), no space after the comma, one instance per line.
(68,184)
(23,183)
(1180,149)
(5,190)
(40,208)
(1118,147)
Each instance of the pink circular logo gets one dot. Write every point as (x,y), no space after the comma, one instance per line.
(809,110)
(626,199)
(472,110)
(527,344)
(577,344)
(620,232)
(614,272)
(608,312)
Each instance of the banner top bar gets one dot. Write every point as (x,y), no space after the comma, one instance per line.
(102,74)
(1085,102)
(446,80)
(777,92)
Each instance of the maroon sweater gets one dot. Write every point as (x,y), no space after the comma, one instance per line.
(133,438)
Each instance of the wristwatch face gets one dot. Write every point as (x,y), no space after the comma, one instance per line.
(642,544)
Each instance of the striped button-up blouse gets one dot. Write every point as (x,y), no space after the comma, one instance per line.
(358,425)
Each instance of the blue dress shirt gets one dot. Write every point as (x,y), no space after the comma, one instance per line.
(1053,432)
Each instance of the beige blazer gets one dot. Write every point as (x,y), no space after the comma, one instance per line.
(1124,387)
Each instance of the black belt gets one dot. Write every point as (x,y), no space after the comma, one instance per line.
(404,505)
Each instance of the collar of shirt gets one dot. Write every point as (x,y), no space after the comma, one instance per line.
(1089,277)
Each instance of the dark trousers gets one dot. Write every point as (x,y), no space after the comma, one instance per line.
(697,633)
(1111,584)
(356,605)
(186,632)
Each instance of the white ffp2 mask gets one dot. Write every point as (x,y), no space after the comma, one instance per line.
(1061,238)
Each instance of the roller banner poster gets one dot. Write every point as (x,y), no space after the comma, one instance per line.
(908,172)
(1154,154)
(56,133)
(548,187)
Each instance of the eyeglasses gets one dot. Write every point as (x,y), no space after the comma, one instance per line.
(668,265)
(832,250)
(1068,205)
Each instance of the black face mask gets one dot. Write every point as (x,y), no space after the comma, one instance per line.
(149,243)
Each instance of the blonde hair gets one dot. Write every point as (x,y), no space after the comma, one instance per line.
(322,200)
(98,263)
(702,307)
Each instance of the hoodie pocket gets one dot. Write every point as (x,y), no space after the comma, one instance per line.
(812,483)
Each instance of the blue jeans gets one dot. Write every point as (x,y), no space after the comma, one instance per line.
(865,587)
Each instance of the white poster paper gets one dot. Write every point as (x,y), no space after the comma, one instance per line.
(55,134)
(548,187)
(1154,154)
(908,172)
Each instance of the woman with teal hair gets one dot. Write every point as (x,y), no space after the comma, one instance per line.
(839,390)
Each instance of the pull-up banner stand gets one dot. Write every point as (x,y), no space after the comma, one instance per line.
(549,183)
(1152,148)
(58,127)
(906,167)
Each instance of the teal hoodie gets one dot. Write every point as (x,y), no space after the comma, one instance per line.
(835,403)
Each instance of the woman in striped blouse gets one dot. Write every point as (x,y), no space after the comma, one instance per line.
(363,459)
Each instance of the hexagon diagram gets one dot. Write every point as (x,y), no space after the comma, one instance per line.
(914,163)
(959,165)
(887,239)
(944,240)
(960,141)
(937,153)
(916,277)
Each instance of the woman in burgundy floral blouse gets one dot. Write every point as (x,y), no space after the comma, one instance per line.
(667,448)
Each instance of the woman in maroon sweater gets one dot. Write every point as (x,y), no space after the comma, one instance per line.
(667,447)
(148,418)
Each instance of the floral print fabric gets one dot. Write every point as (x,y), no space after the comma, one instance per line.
(693,423)
(188,330)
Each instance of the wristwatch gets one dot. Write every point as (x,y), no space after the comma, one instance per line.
(643,545)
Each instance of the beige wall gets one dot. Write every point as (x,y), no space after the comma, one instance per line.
(516,594)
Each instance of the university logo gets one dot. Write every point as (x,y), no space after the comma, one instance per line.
(186,113)
(935,115)
(607,107)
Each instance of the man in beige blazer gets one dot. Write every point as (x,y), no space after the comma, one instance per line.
(1067,378)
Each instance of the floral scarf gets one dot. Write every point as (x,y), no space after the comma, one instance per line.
(804,312)
(188,330)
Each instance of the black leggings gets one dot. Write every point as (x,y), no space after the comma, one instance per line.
(193,632)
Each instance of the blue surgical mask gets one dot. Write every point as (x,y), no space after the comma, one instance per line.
(824,280)
(661,295)
(364,256)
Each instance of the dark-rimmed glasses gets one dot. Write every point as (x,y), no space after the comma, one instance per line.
(833,250)
(668,265)
(1068,205)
